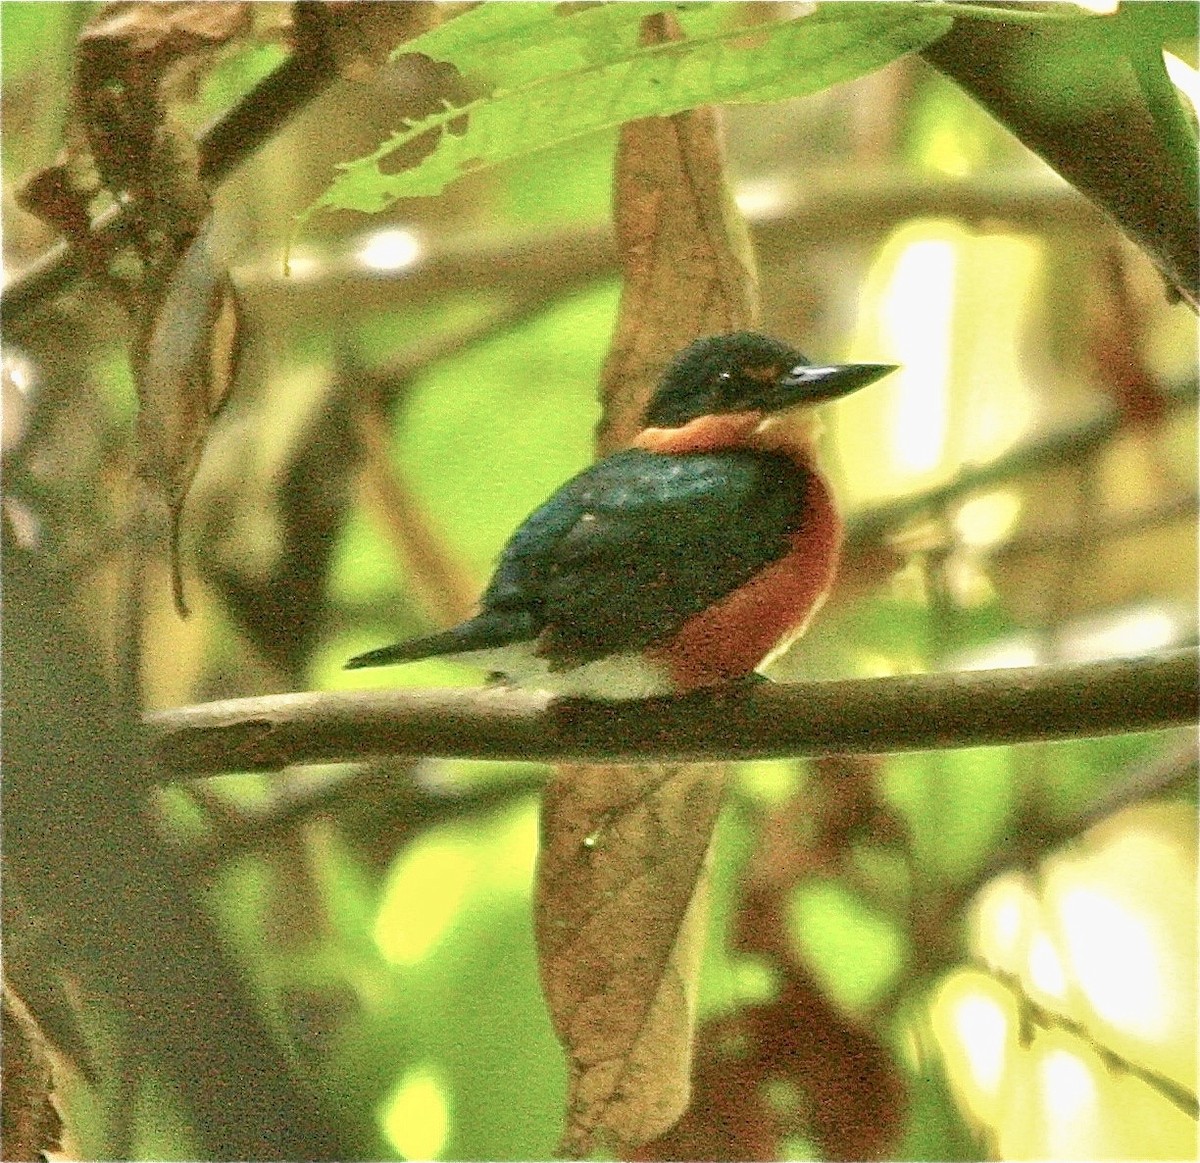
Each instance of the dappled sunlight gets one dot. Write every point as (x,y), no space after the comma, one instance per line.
(1114,958)
(1045,969)
(1067,1093)
(1130,632)
(975,1019)
(416,1116)
(1124,907)
(916,322)
(983,1027)
(948,305)
(1098,969)
(422,897)
(525,214)
(434,881)
(988,518)
(1185,77)
(389,250)
(1002,919)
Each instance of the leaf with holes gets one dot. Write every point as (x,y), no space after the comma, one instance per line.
(547,74)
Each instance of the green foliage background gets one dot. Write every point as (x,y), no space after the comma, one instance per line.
(397,958)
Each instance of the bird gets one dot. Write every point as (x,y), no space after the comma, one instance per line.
(685,561)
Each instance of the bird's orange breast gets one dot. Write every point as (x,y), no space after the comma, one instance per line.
(728,640)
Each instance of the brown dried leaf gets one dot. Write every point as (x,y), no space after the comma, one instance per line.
(123,60)
(849,1095)
(60,194)
(685,252)
(619,917)
(163,32)
(621,883)
(186,370)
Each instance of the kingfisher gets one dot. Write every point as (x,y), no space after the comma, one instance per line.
(688,559)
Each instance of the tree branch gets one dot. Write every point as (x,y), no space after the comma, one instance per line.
(902,713)
(222,148)
(1061,445)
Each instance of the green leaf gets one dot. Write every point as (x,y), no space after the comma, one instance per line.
(544,77)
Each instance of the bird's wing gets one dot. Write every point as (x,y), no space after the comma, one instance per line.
(623,555)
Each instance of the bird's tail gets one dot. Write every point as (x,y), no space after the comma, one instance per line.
(484,632)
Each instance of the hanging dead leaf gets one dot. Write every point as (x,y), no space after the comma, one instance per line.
(167,31)
(185,370)
(124,59)
(60,195)
(622,880)
(847,1093)
(619,916)
(687,262)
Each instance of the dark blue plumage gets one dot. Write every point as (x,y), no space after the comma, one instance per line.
(625,553)
(681,561)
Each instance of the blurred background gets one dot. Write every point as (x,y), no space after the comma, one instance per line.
(1023,491)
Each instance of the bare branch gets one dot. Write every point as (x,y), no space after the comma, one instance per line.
(1169,772)
(902,713)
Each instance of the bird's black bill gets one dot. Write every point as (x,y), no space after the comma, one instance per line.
(816,385)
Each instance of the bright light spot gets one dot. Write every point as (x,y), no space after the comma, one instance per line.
(986,520)
(1002,656)
(302,264)
(967,582)
(1184,78)
(1046,968)
(1099,7)
(982,1028)
(18,371)
(1136,632)
(1113,955)
(389,250)
(916,316)
(868,665)
(416,1116)
(512,852)
(1007,920)
(1003,914)
(755,981)
(766,198)
(1070,1089)
(421,898)
(943,151)
(770,782)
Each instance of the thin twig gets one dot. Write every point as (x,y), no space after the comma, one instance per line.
(800,208)
(902,713)
(1034,1014)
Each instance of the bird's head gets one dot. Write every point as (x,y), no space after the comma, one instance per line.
(744,389)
